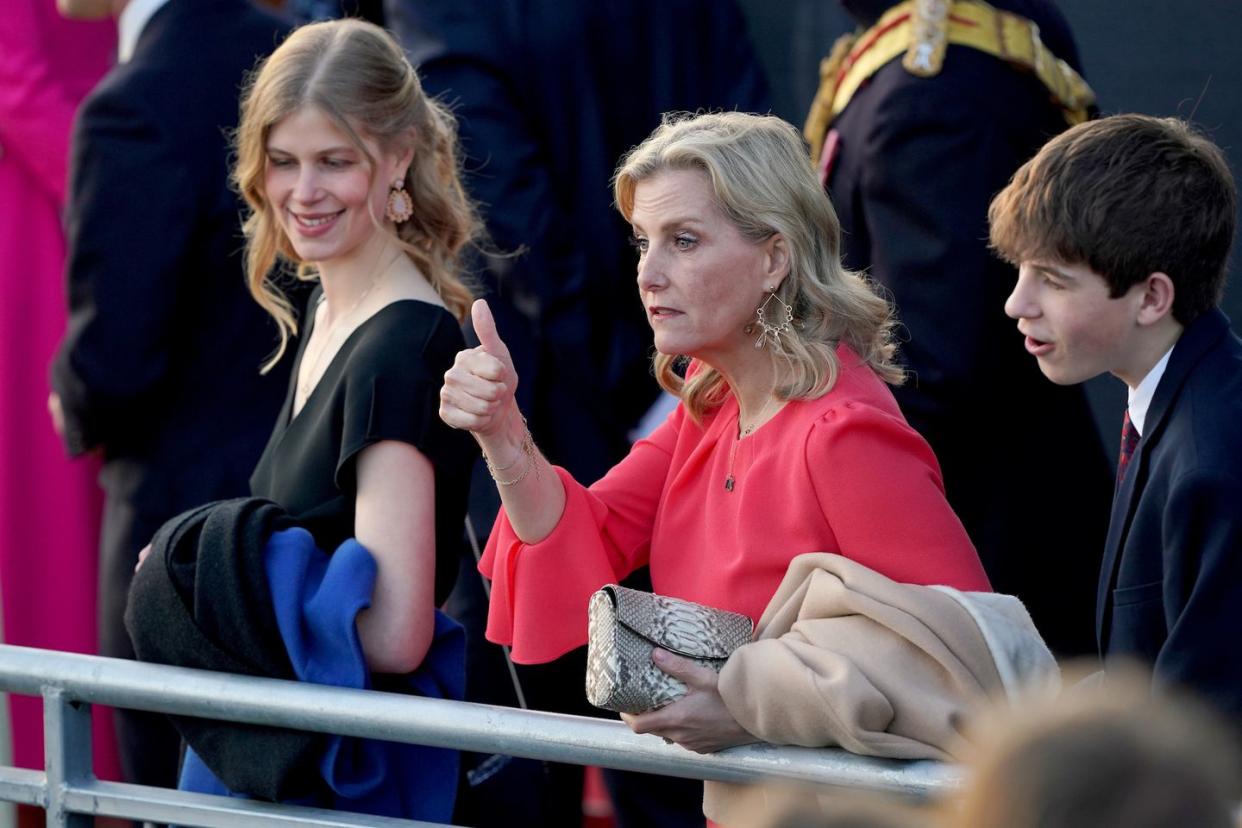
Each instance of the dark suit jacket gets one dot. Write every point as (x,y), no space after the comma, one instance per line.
(549,96)
(919,162)
(1170,592)
(160,365)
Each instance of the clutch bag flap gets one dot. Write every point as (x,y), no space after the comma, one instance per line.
(683,627)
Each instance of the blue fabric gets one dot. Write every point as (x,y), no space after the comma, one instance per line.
(317,598)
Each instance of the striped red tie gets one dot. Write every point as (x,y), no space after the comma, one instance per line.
(1129,439)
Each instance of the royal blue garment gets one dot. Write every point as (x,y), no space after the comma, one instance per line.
(317,599)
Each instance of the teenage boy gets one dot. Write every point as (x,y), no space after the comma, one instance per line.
(1121,229)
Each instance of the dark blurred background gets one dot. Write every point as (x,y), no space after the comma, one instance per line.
(1151,56)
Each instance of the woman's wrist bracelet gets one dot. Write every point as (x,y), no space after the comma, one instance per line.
(526,452)
(494,468)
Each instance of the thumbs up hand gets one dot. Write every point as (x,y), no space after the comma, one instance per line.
(485,330)
(477,395)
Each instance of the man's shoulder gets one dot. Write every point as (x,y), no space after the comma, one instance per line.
(1211,353)
(198,43)
(1214,385)
(1202,434)
(188,57)
(190,75)
(970,76)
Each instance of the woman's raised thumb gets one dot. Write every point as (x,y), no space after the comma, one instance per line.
(485,330)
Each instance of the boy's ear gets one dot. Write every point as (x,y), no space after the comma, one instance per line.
(1157,301)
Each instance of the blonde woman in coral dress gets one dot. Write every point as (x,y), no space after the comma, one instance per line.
(786,438)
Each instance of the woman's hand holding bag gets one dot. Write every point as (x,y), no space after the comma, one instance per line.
(699,720)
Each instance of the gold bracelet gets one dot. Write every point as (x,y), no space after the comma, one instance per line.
(529,465)
(493,469)
(527,451)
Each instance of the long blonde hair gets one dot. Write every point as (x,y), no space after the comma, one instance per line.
(357,75)
(764,183)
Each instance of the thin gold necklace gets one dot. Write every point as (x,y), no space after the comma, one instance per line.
(739,432)
(307,386)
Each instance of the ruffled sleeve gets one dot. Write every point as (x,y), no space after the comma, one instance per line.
(540,590)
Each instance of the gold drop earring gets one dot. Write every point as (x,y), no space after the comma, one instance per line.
(400,206)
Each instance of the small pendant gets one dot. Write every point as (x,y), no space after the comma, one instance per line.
(729,483)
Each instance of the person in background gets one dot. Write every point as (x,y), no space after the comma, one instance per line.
(1101,756)
(786,439)
(1121,230)
(920,119)
(49,506)
(158,370)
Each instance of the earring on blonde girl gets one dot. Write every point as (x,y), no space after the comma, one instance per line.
(400,206)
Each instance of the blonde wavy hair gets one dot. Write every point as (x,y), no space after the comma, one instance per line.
(357,75)
(764,183)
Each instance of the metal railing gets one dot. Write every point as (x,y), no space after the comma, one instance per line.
(72,796)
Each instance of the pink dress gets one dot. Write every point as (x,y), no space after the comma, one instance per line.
(49,506)
(844,473)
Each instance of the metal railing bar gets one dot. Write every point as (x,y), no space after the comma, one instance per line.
(25,787)
(67,747)
(460,725)
(162,805)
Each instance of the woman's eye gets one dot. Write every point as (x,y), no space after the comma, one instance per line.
(639,244)
(280,163)
(336,163)
(685,242)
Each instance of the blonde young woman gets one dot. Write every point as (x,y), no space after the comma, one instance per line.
(350,174)
(786,439)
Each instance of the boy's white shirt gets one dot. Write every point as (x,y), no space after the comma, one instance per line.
(1140,397)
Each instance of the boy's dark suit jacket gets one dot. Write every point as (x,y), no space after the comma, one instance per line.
(919,161)
(160,365)
(1170,592)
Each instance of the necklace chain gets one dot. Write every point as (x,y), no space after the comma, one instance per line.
(306,382)
(730,480)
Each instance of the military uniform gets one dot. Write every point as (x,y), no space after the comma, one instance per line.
(921,117)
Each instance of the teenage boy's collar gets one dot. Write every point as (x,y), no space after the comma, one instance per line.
(1140,397)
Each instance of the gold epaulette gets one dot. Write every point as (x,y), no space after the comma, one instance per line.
(921,30)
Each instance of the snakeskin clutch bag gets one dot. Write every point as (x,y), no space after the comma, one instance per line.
(625,625)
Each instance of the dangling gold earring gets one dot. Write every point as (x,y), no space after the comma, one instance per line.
(400,206)
(770,331)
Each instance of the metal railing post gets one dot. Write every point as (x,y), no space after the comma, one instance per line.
(67,748)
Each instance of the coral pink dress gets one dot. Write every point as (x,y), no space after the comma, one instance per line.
(49,506)
(844,473)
